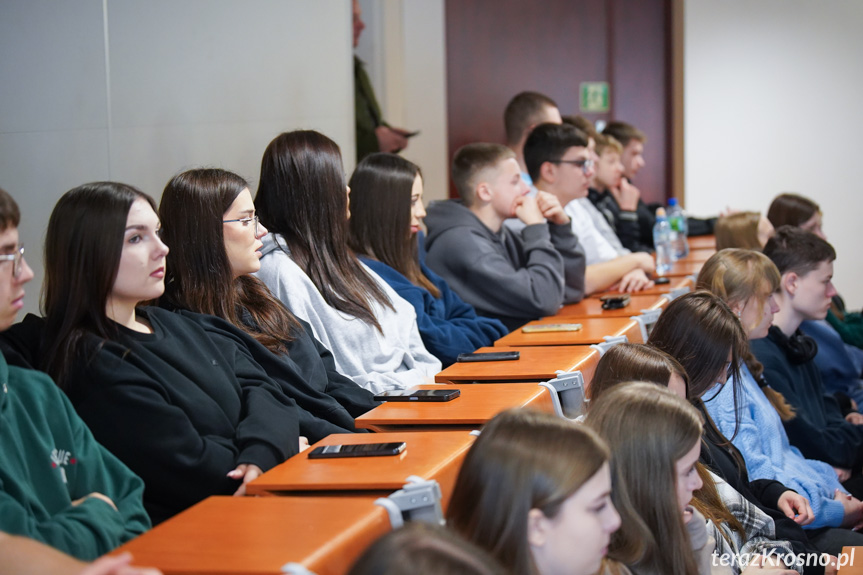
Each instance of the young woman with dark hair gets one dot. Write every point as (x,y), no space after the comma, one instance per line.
(208,220)
(191,415)
(535,491)
(637,362)
(386,212)
(707,338)
(306,262)
(798,211)
(655,436)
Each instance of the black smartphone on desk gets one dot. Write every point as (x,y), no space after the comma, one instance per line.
(358,450)
(489,356)
(444,394)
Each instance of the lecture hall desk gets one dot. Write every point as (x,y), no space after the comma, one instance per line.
(699,255)
(701,242)
(258,535)
(429,454)
(857,567)
(660,289)
(593,330)
(537,363)
(684,268)
(476,405)
(592,307)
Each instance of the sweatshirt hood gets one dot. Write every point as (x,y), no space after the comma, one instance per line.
(270,245)
(444,215)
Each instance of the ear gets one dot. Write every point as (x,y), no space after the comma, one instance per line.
(537,528)
(548,172)
(737,308)
(790,282)
(483,192)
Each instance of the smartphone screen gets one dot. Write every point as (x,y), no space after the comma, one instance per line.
(359,450)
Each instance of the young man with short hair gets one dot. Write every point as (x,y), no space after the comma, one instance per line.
(524,112)
(559,162)
(57,484)
(818,428)
(513,276)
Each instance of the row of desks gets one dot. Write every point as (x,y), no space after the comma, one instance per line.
(318,515)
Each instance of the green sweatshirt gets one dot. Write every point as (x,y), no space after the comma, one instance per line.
(48,459)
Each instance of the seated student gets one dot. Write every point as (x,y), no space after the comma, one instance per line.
(801,212)
(705,336)
(57,485)
(386,213)
(23,556)
(515,277)
(559,162)
(655,437)
(193,416)
(523,113)
(209,222)
(425,549)
(818,429)
(746,281)
(624,206)
(535,491)
(744,516)
(745,230)
(307,264)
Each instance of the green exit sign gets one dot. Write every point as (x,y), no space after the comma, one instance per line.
(594,97)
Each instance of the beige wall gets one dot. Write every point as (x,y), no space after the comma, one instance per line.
(771,91)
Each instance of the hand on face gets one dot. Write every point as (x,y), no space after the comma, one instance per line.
(551,209)
(528,211)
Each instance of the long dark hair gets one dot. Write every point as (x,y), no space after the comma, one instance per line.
(381,215)
(697,329)
(634,362)
(199,275)
(791,210)
(83,246)
(302,196)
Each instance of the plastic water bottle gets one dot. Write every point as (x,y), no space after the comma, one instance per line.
(679,229)
(662,243)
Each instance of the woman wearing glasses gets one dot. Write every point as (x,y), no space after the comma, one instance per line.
(208,220)
(193,416)
(306,262)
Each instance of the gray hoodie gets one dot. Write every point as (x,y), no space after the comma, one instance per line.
(513,276)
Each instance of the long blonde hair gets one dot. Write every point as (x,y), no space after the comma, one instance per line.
(736,276)
(649,428)
(738,230)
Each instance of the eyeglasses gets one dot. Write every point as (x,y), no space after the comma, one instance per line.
(16,260)
(585,164)
(245,222)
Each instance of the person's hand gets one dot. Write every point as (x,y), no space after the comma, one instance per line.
(854,417)
(853,510)
(389,140)
(645,261)
(117,565)
(304,443)
(635,280)
(551,209)
(94,495)
(842,473)
(773,565)
(527,210)
(247,472)
(796,507)
(626,195)
(832,566)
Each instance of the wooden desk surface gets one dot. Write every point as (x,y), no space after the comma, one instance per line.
(429,454)
(699,255)
(849,563)
(675,283)
(539,363)
(593,330)
(476,405)
(700,242)
(592,307)
(258,535)
(684,268)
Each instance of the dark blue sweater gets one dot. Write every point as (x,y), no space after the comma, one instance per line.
(447,324)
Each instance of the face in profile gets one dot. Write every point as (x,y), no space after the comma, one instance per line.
(574,541)
(688,479)
(609,170)
(418,211)
(813,225)
(632,158)
(141,273)
(11,283)
(813,292)
(243,235)
(506,187)
(757,314)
